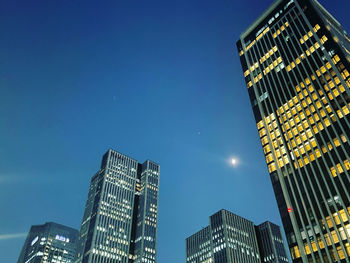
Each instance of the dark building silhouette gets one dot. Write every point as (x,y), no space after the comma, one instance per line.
(271,244)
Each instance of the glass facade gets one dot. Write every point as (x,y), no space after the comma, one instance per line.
(271,243)
(295,60)
(229,238)
(199,247)
(49,243)
(120,218)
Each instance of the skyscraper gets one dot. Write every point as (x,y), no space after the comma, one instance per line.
(199,247)
(120,218)
(271,244)
(230,238)
(295,59)
(49,243)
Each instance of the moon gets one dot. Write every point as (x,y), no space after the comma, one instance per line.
(233,161)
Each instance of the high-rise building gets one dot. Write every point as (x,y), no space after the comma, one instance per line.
(230,238)
(296,62)
(199,247)
(49,243)
(271,244)
(120,218)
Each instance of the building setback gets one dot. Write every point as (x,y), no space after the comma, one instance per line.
(120,218)
(229,238)
(49,243)
(295,59)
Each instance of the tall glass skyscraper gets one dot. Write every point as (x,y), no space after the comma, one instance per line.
(296,62)
(120,219)
(49,243)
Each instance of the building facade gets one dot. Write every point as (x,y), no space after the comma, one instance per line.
(271,245)
(229,238)
(120,218)
(295,60)
(199,247)
(49,243)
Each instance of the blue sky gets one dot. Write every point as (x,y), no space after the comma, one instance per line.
(157,80)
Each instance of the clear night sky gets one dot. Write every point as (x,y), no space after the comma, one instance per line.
(153,79)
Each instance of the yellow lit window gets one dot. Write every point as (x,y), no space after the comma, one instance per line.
(307,249)
(343,138)
(295,252)
(264,140)
(304,137)
(308,147)
(318,153)
(330,147)
(309,133)
(269,158)
(333,172)
(334,237)
(347,165)
(339,168)
(336,142)
(320,126)
(324,149)
(327,122)
(312,157)
(272,167)
(340,114)
(331,84)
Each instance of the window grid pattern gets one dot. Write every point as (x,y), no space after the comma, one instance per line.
(229,238)
(119,206)
(301,104)
(49,243)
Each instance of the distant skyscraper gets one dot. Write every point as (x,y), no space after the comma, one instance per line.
(199,247)
(295,60)
(120,219)
(229,238)
(271,245)
(49,243)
